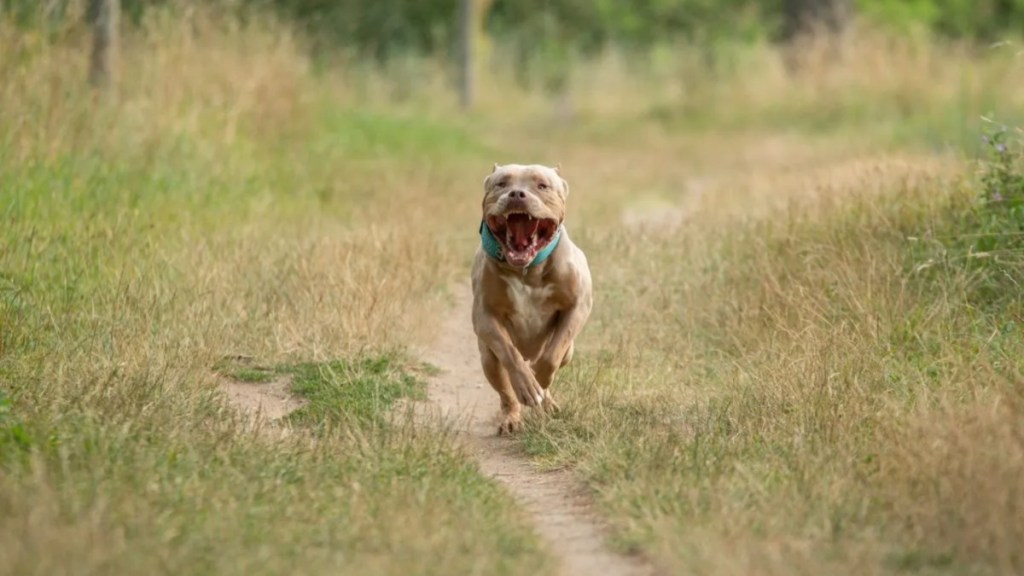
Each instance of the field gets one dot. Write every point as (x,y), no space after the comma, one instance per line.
(805,355)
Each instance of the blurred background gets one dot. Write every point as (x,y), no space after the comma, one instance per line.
(932,65)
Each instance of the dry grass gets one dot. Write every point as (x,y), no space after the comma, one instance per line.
(766,386)
(220,204)
(880,88)
(770,388)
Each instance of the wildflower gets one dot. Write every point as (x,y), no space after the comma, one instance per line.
(997,197)
(1001,148)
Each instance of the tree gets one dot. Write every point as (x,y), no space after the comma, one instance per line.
(466,56)
(806,17)
(472,15)
(103,16)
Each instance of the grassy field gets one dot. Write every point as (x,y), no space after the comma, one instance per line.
(798,360)
(224,204)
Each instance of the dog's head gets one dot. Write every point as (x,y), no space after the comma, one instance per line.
(523,207)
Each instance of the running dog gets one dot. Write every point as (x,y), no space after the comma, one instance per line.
(532,291)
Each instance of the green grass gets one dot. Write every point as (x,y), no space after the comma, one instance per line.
(339,390)
(253,375)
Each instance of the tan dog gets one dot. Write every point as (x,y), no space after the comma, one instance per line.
(532,291)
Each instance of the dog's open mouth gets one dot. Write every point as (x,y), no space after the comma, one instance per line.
(521,235)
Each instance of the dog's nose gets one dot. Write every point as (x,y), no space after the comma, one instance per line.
(517,195)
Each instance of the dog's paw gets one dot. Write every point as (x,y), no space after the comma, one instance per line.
(550,406)
(510,424)
(529,392)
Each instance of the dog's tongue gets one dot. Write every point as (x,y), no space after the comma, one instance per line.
(521,229)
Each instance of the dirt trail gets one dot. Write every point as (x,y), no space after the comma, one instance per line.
(562,515)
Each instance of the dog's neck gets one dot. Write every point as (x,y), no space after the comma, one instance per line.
(493,250)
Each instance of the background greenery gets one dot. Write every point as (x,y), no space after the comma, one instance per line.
(390,27)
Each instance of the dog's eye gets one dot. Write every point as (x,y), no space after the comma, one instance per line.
(503,183)
(542,185)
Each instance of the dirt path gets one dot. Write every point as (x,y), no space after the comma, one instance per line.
(562,515)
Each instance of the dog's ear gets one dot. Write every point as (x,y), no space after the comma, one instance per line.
(564,192)
(487,181)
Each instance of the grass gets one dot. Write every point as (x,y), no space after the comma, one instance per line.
(148,237)
(798,363)
(339,391)
(795,394)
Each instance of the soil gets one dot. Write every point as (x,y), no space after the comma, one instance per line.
(270,400)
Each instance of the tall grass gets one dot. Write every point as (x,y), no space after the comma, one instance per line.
(802,389)
(220,203)
(890,90)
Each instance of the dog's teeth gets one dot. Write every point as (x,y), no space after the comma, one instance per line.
(540,399)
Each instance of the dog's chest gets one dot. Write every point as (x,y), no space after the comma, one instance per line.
(532,307)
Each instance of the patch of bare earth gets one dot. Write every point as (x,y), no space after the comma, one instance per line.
(562,513)
(263,401)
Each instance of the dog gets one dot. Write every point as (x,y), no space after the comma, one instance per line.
(532,290)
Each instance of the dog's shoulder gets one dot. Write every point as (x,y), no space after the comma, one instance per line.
(570,268)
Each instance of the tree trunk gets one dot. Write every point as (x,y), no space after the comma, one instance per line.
(467,16)
(103,17)
(472,46)
(807,17)
(813,32)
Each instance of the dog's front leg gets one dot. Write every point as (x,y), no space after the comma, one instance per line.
(558,350)
(497,340)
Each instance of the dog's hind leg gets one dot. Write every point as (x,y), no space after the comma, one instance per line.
(497,377)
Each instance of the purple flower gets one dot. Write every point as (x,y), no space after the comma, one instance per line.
(1001,148)
(997,197)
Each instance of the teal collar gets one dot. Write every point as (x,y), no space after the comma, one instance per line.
(493,248)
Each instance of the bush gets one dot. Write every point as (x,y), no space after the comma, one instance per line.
(997,245)
(981,239)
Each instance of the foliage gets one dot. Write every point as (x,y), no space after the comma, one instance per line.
(554,28)
(983,239)
(996,241)
(1003,177)
(379,29)
(981,19)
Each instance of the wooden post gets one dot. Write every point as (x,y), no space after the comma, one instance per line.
(103,17)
